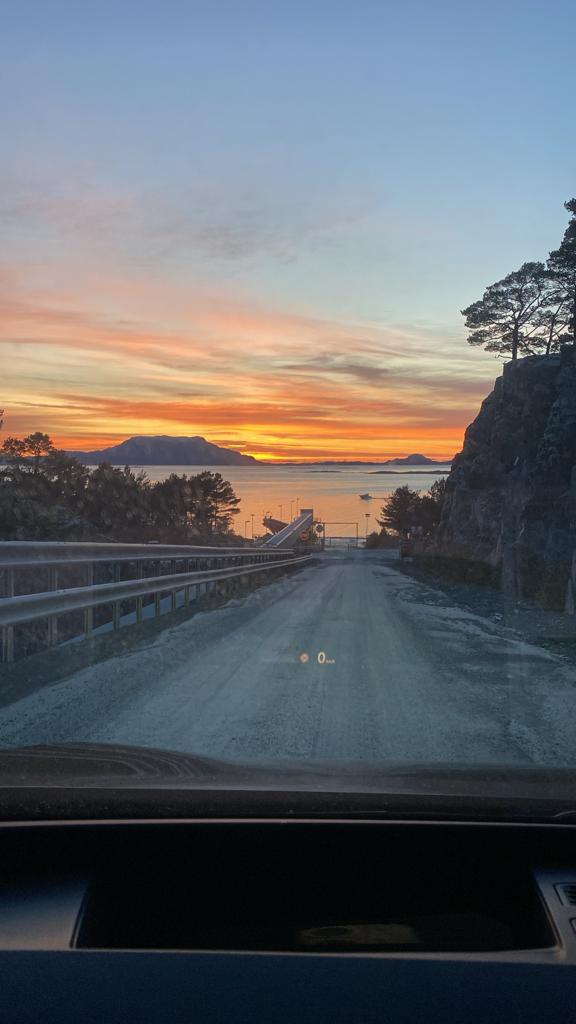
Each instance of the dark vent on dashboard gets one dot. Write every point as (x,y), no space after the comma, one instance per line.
(567,893)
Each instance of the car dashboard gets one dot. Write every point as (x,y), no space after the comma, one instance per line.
(286,919)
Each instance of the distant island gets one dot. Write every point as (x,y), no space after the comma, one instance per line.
(410,460)
(162,450)
(417,460)
(416,472)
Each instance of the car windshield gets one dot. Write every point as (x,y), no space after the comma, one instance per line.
(288,444)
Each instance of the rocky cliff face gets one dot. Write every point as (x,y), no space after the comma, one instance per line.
(510,509)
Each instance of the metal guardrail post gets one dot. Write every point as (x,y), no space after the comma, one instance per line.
(8,631)
(53,619)
(173,593)
(7,643)
(188,589)
(157,594)
(89,612)
(116,607)
(139,600)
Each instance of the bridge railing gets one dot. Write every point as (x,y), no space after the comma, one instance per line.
(202,571)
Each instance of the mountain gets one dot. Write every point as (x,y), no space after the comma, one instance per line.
(162,450)
(416,460)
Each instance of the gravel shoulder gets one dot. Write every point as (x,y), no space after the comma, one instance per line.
(553,630)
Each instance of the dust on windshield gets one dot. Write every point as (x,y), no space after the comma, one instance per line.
(288,445)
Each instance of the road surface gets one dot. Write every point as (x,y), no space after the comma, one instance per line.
(391,671)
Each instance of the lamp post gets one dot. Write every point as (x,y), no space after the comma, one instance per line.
(367,514)
(252,518)
(291,508)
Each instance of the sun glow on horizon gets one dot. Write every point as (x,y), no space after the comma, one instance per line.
(269,383)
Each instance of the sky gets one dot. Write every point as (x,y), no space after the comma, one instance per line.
(259,221)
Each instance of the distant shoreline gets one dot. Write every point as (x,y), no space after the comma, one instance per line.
(413,472)
(405,471)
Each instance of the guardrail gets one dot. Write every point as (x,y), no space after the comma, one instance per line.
(46,554)
(239,566)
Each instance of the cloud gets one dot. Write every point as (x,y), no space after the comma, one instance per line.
(134,355)
(327,365)
(214,221)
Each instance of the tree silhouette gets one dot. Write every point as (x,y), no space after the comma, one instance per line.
(508,316)
(214,503)
(67,478)
(116,499)
(34,447)
(399,511)
(172,502)
(553,320)
(46,493)
(428,507)
(562,265)
(406,509)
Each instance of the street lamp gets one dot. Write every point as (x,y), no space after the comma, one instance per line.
(252,518)
(291,508)
(367,514)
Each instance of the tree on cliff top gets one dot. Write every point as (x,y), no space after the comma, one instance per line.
(508,317)
(562,265)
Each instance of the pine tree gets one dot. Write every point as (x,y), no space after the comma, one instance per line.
(508,316)
(562,265)
(399,511)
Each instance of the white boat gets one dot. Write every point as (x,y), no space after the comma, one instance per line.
(366,497)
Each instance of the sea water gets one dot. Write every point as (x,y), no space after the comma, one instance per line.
(333,492)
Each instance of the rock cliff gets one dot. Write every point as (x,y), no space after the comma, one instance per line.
(509,514)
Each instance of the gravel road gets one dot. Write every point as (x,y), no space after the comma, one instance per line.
(394,672)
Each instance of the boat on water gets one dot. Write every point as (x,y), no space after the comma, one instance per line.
(366,497)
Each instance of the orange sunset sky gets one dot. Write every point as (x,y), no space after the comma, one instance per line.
(122,357)
(258,222)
